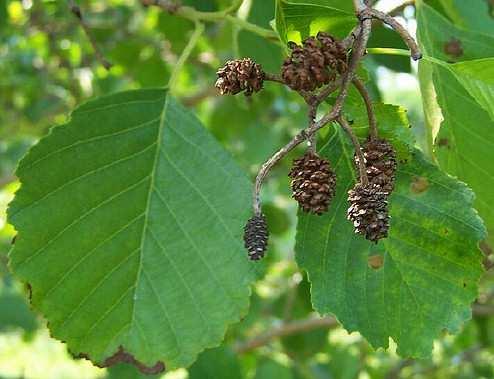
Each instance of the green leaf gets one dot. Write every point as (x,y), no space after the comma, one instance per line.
(462,143)
(296,20)
(393,124)
(418,281)
(135,214)
(219,363)
(478,78)
(471,15)
(269,369)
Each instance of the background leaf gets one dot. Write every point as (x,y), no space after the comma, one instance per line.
(296,20)
(430,261)
(136,213)
(463,142)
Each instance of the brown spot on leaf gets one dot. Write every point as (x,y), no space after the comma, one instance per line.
(121,356)
(443,142)
(419,184)
(453,48)
(375,261)
(29,291)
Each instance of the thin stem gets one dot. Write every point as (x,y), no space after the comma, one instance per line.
(400,29)
(243,24)
(358,150)
(404,53)
(287,329)
(76,11)
(312,138)
(268,165)
(273,78)
(199,29)
(326,91)
(195,15)
(368,105)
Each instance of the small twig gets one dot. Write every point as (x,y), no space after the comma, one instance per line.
(358,150)
(326,91)
(400,29)
(199,29)
(201,95)
(273,78)
(287,329)
(76,11)
(368,105)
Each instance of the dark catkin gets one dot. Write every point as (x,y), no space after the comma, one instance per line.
(380,163)
(317,62)
(313,183)
(368,211)
(240,75)
(256,237)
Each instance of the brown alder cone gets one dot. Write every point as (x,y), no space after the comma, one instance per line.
(256,236)
(240,75)
(313,183)
(317,62)
(380,162)
(369,211)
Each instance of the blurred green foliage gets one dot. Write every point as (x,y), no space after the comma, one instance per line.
(47,67)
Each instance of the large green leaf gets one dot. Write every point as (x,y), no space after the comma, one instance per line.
(418,281)
(477,77)
(296,20)
(463,144)
(130,220)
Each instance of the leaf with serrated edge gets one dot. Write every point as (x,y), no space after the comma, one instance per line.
(431,263)
(130,219)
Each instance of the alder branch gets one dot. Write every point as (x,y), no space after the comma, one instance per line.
(286,329)
(302,326)
(400,29)
(359,85)
(358,52)
(76,11)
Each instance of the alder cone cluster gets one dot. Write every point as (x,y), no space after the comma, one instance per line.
(256,236)
(369,211)
(313,183)
(240,75)
(317,62)
(380,162)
